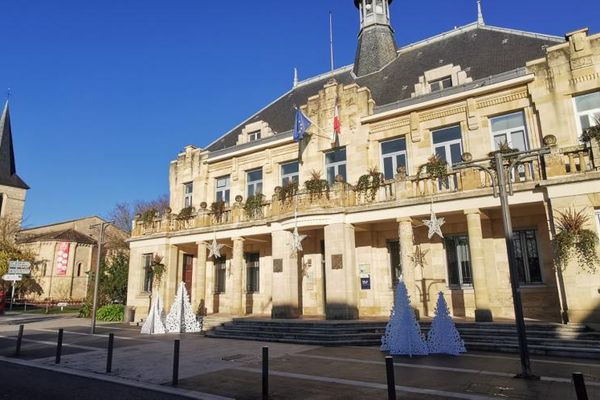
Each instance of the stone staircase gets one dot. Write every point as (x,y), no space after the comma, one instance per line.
(576,341)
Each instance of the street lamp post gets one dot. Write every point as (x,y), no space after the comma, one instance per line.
(102,227)
(503,182)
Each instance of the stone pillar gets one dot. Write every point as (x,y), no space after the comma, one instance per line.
(483,312)
(237,268)
(341,272)
(286,293)
(198,294)
(407,248)
(171,277)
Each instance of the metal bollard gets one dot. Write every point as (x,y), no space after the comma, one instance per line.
(19,341)
(59,346)
(579,383)
(391,379)
(111,342)
(265,373)
(176,363)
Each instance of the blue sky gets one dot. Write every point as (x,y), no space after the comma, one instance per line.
(106,93)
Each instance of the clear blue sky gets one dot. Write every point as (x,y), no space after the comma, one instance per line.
(106,93)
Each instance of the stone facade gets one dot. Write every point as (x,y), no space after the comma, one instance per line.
(358,244)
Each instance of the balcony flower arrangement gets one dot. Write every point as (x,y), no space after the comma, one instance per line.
(253,205)
(573,238)
(368,185)
(147,217)
(218,209)
(185,214)
(288,191)
(591,134)
(435,167)
(506,151)
(316,186)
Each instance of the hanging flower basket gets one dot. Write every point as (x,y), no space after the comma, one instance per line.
(572,239)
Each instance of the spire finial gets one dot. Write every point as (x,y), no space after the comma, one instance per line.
(480,20)
(7,94)
(295,77)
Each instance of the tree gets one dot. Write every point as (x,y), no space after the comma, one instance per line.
(123,213)
(443,338)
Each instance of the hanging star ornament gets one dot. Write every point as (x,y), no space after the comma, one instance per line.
(297,239)
(435,225)
(214,249)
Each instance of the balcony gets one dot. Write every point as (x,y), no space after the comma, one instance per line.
(558,165)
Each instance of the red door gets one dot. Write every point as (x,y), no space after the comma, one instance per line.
(188,268)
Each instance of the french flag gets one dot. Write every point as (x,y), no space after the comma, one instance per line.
(337,125)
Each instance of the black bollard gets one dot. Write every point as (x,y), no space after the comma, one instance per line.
(391,379)
(111,342)
(176,363)
(59,346)
(579,383)
(19,341)
(265,373)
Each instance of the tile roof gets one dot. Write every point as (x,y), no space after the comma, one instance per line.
(67,235)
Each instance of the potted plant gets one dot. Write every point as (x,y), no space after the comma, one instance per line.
(186,213)
(506,151)
(368,185)
(288,191)
(316,186)
(253,205)
(435,167)
(218,209)
(148,216)
(573,238)
(591,134)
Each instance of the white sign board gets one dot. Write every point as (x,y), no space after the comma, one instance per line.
(12,277)
(19,267)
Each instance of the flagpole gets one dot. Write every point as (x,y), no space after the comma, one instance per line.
(331,40)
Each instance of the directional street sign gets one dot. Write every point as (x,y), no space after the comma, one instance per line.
(19,267)
(12,277)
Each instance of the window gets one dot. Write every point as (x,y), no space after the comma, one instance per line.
(393,153)
(289,173)
(587,107)
(447,144)
(188,189)
(395,261)
(252,272)
(459,261)
(527,256)
(148,274)
(253,136)
(510,129)
(440,84)
(220,274)
(255,182)
(79,269)
(335,164)
(222,190)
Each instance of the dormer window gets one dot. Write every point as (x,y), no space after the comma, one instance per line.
(441,84)
(253,136)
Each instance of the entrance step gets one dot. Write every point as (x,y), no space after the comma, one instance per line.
(576,341)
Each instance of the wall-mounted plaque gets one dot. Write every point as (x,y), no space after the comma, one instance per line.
(277,265)
(337,261)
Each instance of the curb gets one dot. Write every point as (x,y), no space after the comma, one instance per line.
(120,381)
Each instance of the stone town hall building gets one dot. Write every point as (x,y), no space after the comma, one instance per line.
(463,91)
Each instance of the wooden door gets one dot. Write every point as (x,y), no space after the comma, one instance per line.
(188,270)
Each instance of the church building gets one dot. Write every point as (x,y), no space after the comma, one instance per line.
(264,223)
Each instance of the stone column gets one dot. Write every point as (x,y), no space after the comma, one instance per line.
(171,276)
(483,312)
(198,294)
(407,248)
(237,268)
(341,272)
(285,292)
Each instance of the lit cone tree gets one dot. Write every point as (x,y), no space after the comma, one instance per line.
(443,337)
(403,333)
(181,318)
(154,324)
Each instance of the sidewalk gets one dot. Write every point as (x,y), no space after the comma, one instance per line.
(232,368)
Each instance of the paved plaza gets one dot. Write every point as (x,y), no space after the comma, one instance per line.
(218,369)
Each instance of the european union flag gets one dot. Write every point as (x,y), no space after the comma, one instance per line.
(301,125)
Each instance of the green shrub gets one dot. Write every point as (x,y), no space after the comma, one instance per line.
(111,313)
(86,310)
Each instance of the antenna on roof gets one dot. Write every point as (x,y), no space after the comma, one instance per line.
(331,40)
(295,77)
(480,20)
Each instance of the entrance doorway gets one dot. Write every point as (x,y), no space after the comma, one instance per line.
(188,270)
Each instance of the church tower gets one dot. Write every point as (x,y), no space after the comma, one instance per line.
(376,43)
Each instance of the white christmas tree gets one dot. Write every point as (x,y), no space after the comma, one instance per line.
(181,318)
(443,338)
(403,333)
(154,324)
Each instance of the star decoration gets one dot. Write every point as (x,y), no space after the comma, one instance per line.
(418,258)
(435,225)
(214,249)
(297,239)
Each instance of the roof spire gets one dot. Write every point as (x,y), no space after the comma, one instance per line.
(480,20)
(8,170)
(295,77)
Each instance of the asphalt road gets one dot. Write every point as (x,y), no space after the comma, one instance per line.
(26,383)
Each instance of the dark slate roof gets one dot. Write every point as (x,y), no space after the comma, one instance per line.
(67,235)
(482,51)
(8,169)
